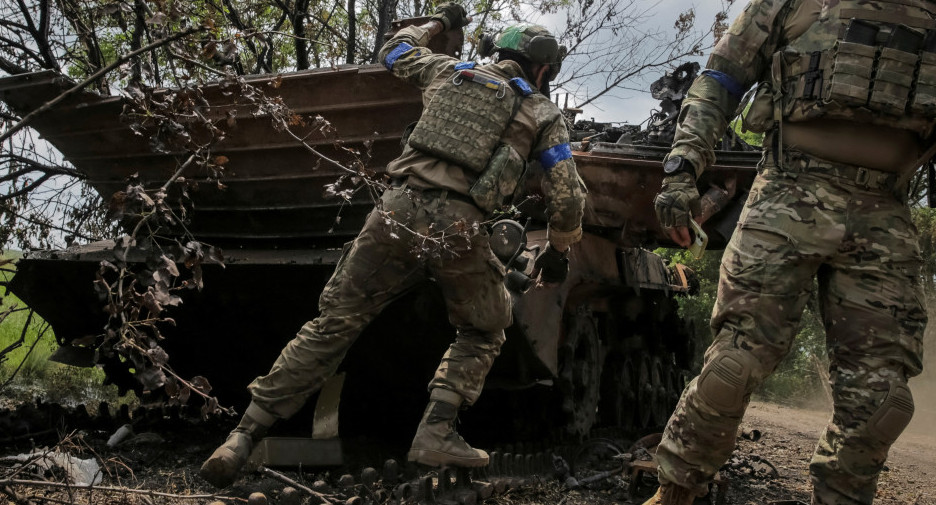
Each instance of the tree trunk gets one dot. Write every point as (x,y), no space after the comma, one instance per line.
(302,45)
(136,41)
(385,15)
(352,31)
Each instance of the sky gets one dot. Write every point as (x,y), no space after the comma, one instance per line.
(632,106)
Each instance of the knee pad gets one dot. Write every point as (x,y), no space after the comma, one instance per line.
(723,383)
(894,414)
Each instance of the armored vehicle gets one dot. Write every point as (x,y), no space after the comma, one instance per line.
(605,349)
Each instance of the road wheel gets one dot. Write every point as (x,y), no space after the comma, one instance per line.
(580,365)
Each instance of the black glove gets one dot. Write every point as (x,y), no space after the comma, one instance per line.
(451,15)
(552,265)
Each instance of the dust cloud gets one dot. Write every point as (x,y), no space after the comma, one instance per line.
(924,385)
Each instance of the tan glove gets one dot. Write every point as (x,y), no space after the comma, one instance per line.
(451,15)
(676,200)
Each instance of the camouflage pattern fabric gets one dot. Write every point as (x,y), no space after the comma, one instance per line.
(806,219)
(378,268)
(862,246)
(537,127)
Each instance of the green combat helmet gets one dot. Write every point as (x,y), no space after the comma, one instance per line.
(533,42)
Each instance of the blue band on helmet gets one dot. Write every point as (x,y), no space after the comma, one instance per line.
(463,65)
(522,85)
(395,54)
(728,82)
(550,157)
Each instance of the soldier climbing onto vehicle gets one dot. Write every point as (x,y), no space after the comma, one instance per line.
(481,127)
(846,97)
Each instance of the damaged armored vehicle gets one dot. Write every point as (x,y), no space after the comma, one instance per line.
(605,349)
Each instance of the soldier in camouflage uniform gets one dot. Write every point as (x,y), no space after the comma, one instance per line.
(437,189)
(846,98)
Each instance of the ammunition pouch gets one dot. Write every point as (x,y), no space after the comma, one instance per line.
(499,183)
(924,96)
(893,81)
(851,73)
(881,73)
(465,120)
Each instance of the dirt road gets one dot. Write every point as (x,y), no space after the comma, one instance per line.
(789,436)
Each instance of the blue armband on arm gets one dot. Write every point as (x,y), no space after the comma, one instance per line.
(552,156)
(731,85)
(394,55)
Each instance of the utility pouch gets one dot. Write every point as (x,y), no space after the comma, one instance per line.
(760,116)
(465,119)
(851,73)
(499,183)
(896,65)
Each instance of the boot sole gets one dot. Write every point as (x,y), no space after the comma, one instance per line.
(435,458)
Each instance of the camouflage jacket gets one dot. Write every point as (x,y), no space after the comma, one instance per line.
(537,131)
(745,56)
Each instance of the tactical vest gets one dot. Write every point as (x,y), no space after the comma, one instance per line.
(863,60)
(466,118)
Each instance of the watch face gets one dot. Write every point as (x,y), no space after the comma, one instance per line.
(672,165)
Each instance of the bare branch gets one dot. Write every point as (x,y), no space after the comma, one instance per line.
(83,84)
(110,489)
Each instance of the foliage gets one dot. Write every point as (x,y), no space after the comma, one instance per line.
(27,373)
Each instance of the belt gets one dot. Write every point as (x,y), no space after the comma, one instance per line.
(868,178)
(433,193)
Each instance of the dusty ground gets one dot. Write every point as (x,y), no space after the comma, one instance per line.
(169,463)
(788,436)
(788,439)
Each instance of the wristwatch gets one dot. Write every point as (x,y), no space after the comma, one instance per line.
(676,164)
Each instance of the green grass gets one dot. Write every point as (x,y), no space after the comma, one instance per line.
(36,376)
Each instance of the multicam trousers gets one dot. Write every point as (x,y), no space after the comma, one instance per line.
(811,219)
(378,267)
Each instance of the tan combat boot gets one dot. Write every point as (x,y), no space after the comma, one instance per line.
(436,442)
(226,461)
(671,494)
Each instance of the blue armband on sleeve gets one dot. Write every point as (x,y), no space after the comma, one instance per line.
(394,55)
(550,157)
(464,65)
(728,82)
